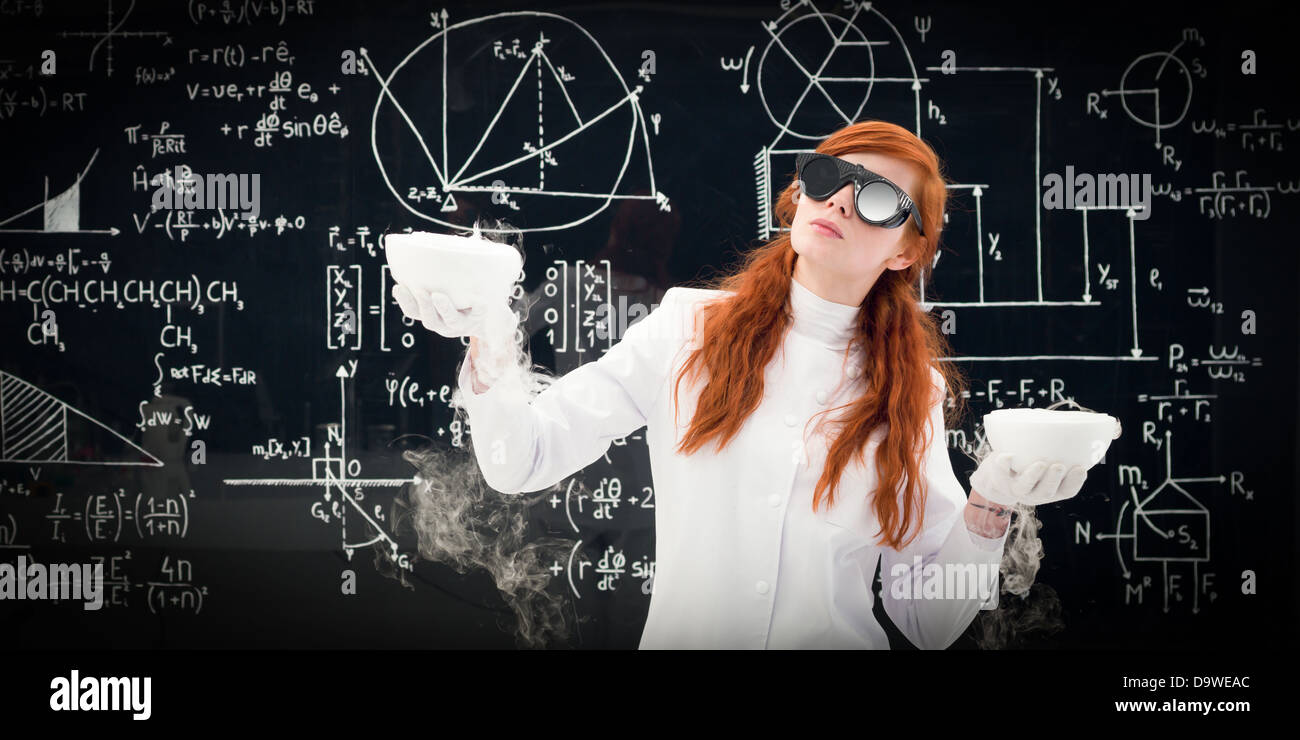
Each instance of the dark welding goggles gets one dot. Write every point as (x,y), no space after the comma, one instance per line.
(878,201)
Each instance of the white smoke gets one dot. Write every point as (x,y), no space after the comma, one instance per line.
(460,521)
(1025,608)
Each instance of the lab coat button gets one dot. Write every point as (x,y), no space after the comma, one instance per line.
(790,420)
(854,370)
(774,500)
(761,587)
(821,397)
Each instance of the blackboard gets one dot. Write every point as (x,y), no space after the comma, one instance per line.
(637,147)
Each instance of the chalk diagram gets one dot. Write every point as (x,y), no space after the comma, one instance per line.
(341,491)
(37,428)
(1151,77)
(564,129)
(815,45)
(60,214)
(1168,526)
(104,39)
(841,51)
(831,53)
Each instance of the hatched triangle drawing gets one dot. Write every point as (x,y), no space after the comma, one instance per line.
(36,427)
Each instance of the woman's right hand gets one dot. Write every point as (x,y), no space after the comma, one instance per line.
(439,314)
(490,326)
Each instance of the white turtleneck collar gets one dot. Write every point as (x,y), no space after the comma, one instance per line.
(826,322)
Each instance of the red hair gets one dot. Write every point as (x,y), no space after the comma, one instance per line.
(895,341)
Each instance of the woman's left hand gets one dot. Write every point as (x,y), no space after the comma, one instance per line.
(1010,480)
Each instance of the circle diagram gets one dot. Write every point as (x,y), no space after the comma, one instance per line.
(522,113)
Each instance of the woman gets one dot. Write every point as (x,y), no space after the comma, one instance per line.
(795,420)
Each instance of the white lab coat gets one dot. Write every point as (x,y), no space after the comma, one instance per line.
(741,559)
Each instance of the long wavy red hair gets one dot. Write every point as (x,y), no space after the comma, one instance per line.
(896,341)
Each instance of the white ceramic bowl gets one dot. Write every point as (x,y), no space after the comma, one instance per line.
(1068,437)
(465,268)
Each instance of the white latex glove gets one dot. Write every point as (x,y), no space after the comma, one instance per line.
(486,320)
(1006,479)
(492,322)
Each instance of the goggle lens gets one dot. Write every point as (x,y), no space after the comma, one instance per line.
(820,176)
(877,201)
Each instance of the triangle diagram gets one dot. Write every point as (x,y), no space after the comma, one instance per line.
(36,428)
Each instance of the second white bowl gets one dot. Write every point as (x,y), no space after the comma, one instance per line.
(1068,437)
